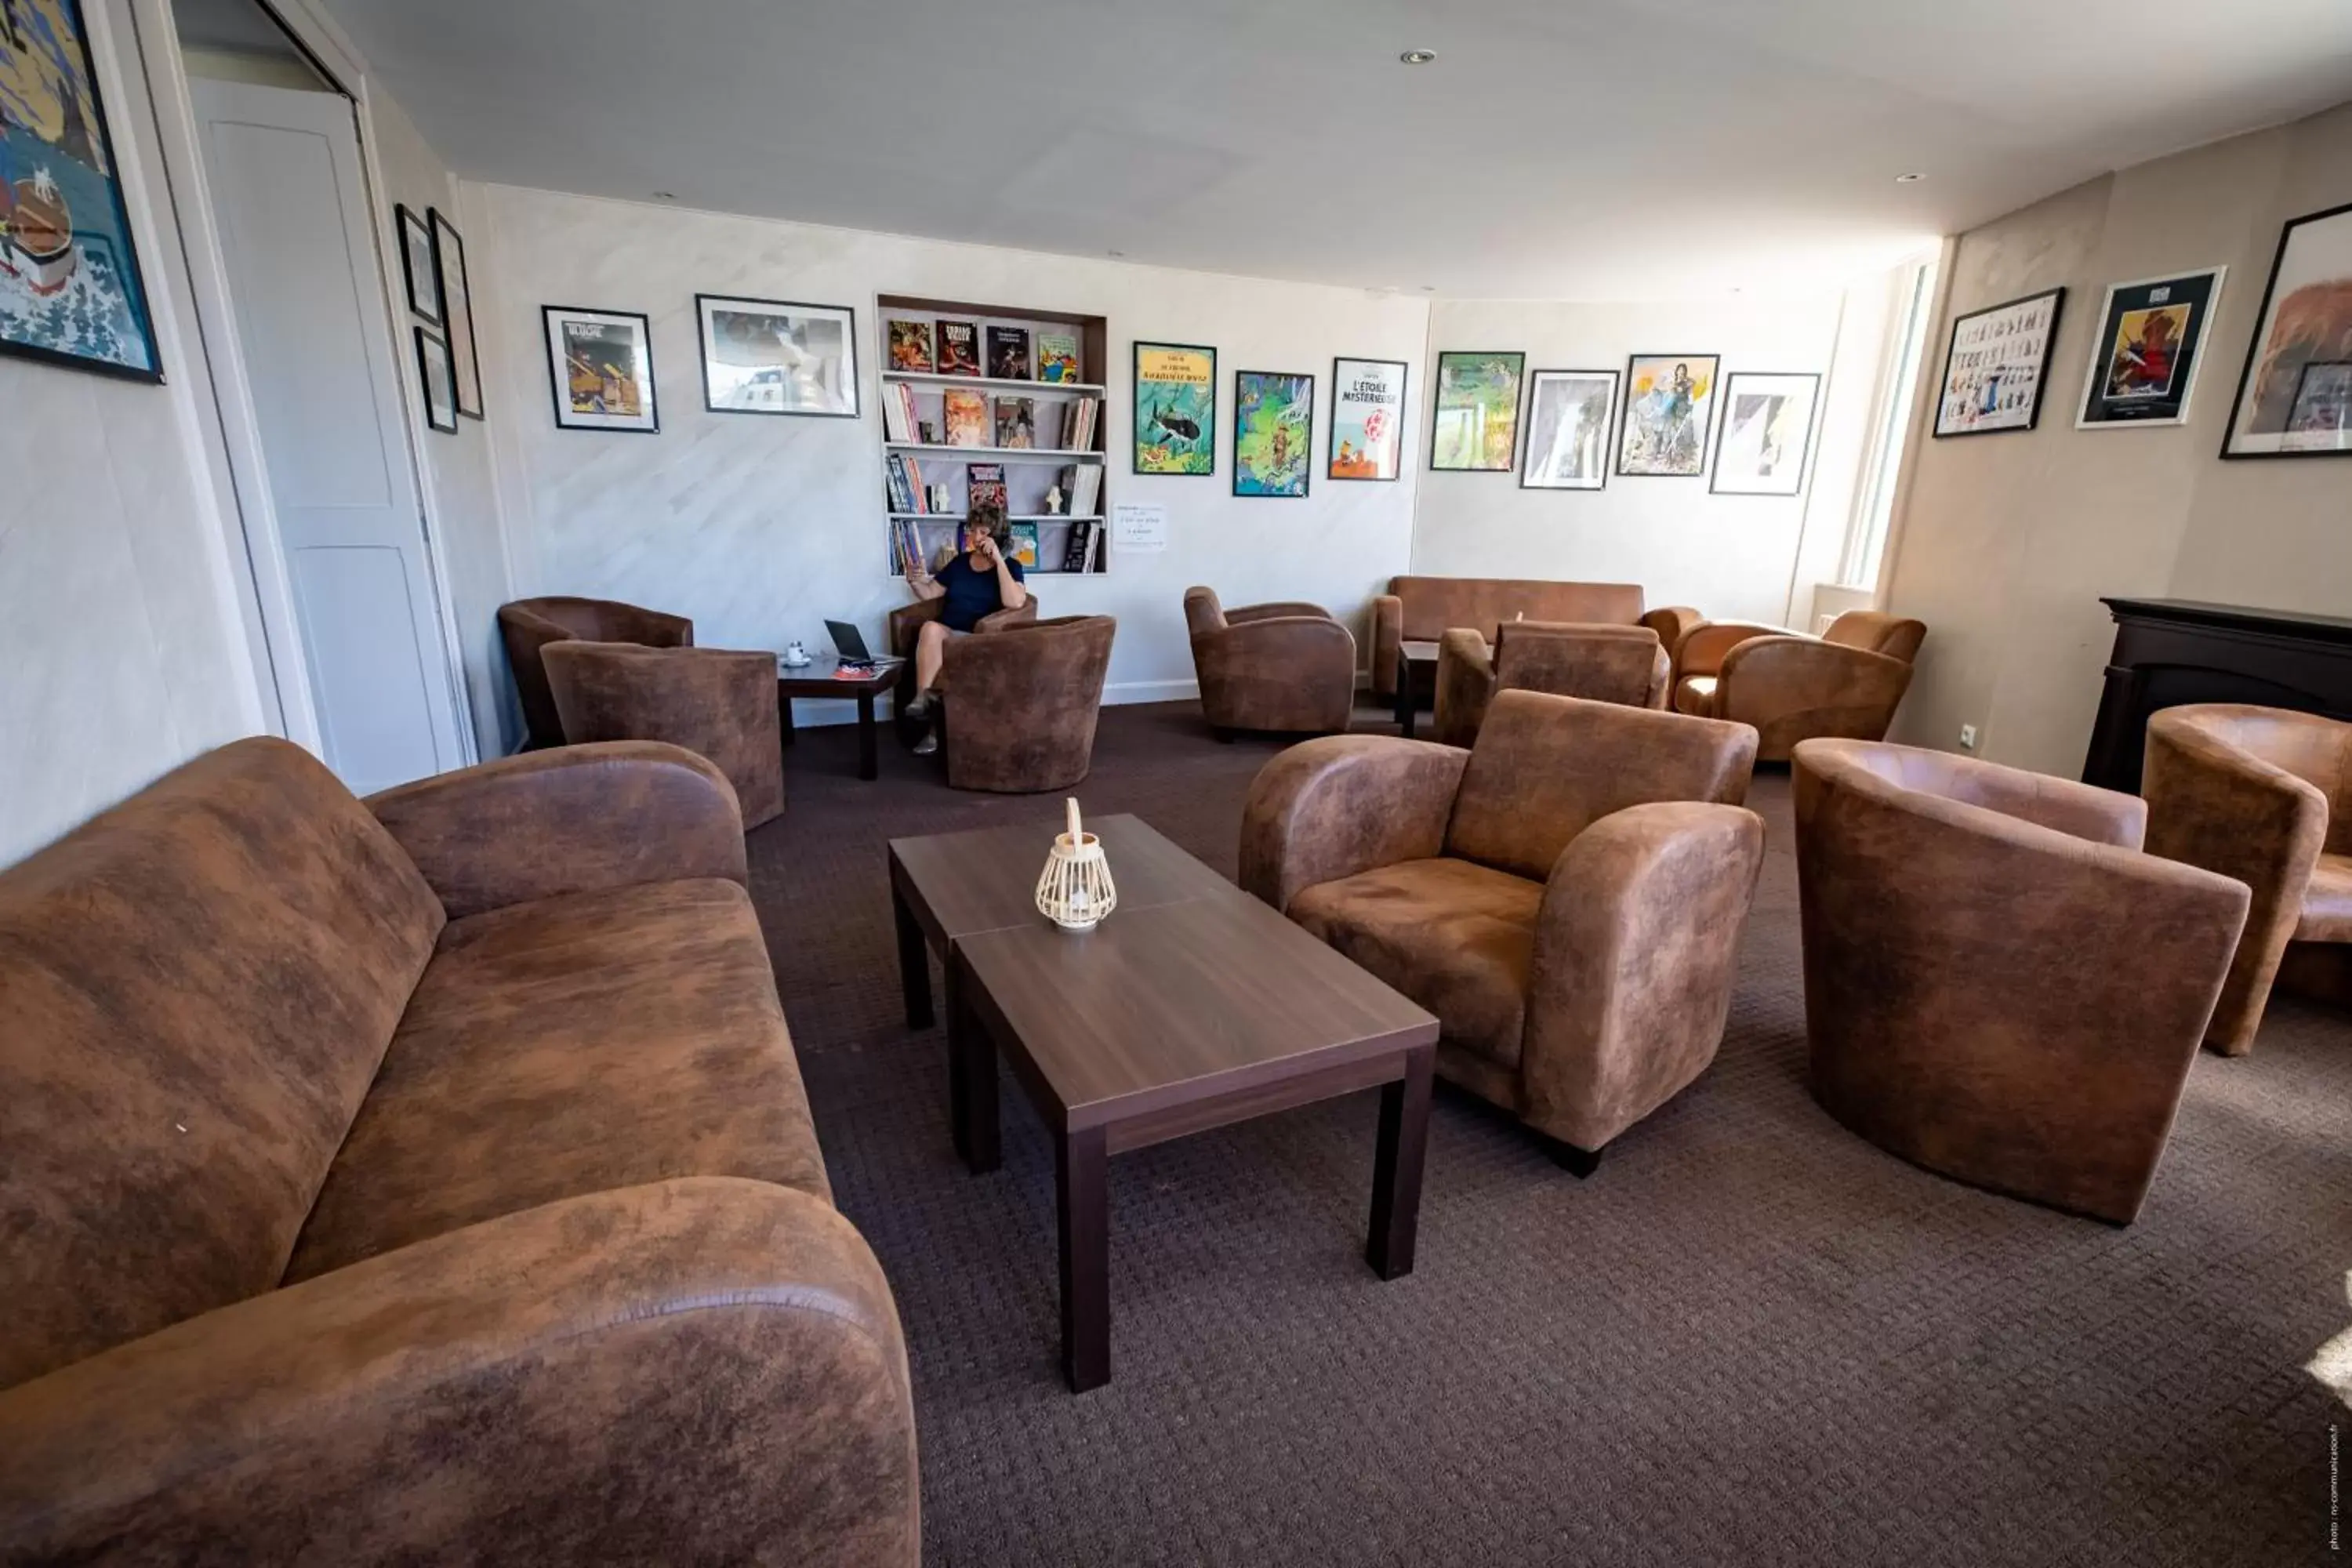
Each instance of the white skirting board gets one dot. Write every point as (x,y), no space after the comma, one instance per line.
(811,712)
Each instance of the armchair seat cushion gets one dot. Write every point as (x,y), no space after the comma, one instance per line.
(575,1043)
(2327,901)
(1695,695)
(1456,936)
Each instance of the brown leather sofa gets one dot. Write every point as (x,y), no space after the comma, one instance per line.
(1424,609)
(1626,665)
(715,701)
(2000,986)
(1017,707)
(2264,795)
(425,1179)
(1567,896)
(906,623)
(1287,667)
(528,625)
(1844,683)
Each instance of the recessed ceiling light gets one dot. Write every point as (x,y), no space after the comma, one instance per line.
(1429,288)
(1908,179)
(1115,253)
(1418,57)
(664,196)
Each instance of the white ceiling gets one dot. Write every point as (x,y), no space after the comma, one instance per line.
(1557,149)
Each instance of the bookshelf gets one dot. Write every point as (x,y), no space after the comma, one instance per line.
(912,464)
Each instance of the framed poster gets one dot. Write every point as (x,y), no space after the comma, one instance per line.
(70,291)
(2144,355)
(1768,433)
(457,308)
(1476,427)
(1175,409)
(1570,415)
(1996,364)
(1273,433)
(600,366)
(778,356)
(418,269)
(1669,404)
(434,369)
(2290,400)
(1367,419)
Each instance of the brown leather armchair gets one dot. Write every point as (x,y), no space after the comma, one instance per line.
(1017,708)
(1626,665)
(528,625)
(1423,609)
(906,623)
(2000,986)
(714,701)
(1844,683)
(1567,896)
(1285,666)
(2264,795)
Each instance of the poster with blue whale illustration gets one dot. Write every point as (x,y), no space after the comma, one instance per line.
(1175,409)
(70,286)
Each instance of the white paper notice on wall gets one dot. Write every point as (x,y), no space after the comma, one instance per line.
(1137,528)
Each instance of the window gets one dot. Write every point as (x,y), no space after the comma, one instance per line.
(1865,539)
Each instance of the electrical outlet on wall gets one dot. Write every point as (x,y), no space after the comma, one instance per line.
(1967,737)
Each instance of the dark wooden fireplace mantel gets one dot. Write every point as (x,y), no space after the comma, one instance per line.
(2172,651)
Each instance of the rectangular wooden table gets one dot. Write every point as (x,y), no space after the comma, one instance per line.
(1412,656)
(1192,1007)
(817,679)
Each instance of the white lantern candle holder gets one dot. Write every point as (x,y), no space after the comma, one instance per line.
(1076,891)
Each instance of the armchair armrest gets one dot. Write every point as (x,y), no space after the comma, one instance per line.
(1636,947)
(1798,687)
(699,1370)
(1465,684)
(902,624)
(651,628)
(1282,608)
(1702,647)
(1673,624)
(571,820)
(1331,807)
(1024,614)
(1388,640)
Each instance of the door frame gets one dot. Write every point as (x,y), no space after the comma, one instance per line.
(250,518)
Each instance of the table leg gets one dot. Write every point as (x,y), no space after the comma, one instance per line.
(1404,696)
(784,717)
(972,1083)
(914,962)
(868,767)
(1396,1166)
(1082,1171)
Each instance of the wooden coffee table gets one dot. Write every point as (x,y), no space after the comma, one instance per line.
(817,679)
(1413,654)
(1192,1007)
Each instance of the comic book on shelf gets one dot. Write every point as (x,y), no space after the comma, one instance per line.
(1008,354)
(967,417)
(910,345)
(1074,549)
(983,484)
(1016,422)
(1022,538)
(959,348)
(1057,355)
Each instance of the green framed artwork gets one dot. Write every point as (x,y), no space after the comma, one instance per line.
(1274,431)
(1175,409)
(1477,429)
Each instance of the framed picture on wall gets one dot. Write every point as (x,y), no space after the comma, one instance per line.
(1996,364)
(2291,394)
(1669,404)
(1175,409)
(433,369)
(458,309)
(2146,354)
(1367,419)
(1476,429)
(600,365)
(70,291)
(1767,432)
(1273,433)
(1570,415)
(778,356)
(418,269)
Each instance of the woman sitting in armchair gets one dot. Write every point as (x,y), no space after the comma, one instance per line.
(980,581)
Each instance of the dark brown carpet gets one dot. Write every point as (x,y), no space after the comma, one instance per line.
(1751,1337)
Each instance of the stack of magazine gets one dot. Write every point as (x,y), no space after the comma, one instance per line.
(1078,424)
(1084,547)
(1081,486)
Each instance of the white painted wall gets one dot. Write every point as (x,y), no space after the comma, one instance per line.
(761,529)
(1733,557)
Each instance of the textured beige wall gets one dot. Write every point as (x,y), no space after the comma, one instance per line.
(2006,543)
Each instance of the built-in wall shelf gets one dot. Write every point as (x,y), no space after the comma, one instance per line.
(1019,454)
(950,516)
(991,383)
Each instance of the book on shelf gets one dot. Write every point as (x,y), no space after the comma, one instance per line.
(959,348)
(1074,548)
(895,482)
(1081,487)
(1016,422)
(910,345)
(1057,355)
(983,486)
(1008,354)
(1077,433)
(1022,537)
(967,417)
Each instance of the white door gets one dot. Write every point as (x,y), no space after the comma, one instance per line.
(291,208)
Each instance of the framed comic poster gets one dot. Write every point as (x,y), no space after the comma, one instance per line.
(1570,415)
(1996,364)
(2291,399)
(1477,426)
(1273,433)
(600,365)
(420,270)
(778,356)
(458,307)
(1669,404)
(439,378)
(70,291)
(1367,419)
(2145,356)
(1767,431)
(1175,409)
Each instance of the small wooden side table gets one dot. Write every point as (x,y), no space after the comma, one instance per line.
(817,680)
